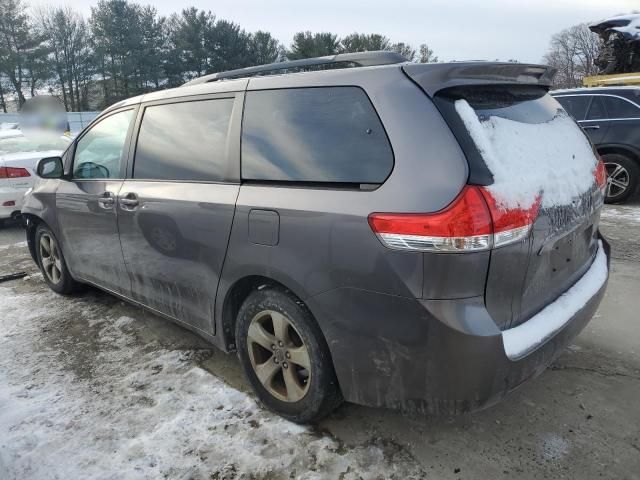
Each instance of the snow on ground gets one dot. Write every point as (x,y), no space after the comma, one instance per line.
(19,244)
(82,396)
(626,213)
(528,158)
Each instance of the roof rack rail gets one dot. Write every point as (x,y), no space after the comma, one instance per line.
(361,59)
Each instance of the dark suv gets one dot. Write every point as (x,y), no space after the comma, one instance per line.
(377,231)
(611,118)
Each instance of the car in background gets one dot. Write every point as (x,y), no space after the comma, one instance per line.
(19,154)
(611,118)
(9,132)
(10,126)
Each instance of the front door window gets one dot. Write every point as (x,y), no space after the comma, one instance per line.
(99,152)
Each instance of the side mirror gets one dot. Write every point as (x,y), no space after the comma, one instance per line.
(50,167)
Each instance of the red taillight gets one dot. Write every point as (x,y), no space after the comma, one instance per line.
(467,215)
(601,175)
(12,172)
(9,203)
(474,221)
(510,224)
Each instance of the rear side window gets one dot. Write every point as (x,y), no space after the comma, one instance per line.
(576,105)
(326,134)
(184,141)
(596,110)
(620,108)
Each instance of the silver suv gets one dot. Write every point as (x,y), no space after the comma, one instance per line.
(387,233)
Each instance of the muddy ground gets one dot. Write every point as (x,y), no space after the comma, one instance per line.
(91,387)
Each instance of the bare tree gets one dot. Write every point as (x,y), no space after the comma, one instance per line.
(404,49)
(573,52)
(426,54)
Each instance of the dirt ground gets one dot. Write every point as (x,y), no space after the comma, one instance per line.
(91,387)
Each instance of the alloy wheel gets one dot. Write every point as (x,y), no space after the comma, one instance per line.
(279,357)
(50,256)
(618,179)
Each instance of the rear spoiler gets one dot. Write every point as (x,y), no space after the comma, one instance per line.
(434,77)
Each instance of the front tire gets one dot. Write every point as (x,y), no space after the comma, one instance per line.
(52,263)
(623,176)
(285,357)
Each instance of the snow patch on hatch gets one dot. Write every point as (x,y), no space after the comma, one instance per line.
(552,158)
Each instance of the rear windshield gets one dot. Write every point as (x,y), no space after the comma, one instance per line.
(520,104)
(522,137)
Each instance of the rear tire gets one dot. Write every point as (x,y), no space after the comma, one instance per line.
(623,176)
(51,262)
(285,356)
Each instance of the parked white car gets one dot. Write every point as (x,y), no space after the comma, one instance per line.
(19,155)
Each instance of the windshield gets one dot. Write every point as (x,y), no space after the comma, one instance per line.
(36,143)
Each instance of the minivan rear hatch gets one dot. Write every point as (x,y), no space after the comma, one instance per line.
(523,147)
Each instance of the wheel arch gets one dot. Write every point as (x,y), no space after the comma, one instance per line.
(620,149)
(237,294)
(32,221)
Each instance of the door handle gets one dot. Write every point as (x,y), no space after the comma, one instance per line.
(107,200)
(129,201)
(591,127)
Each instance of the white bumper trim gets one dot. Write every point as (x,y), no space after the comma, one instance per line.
(521,340)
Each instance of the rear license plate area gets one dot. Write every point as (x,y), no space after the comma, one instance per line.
(571,251)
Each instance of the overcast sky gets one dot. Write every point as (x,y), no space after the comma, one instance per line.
(455,29)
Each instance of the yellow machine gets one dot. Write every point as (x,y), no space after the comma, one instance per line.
(617,79)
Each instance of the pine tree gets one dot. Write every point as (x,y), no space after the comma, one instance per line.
(362,42)
(187,55)
(308,45)
(20,50)
(263,48)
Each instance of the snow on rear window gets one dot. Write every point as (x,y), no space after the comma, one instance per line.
(552,158)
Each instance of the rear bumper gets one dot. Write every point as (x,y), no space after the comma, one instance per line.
(10,195)
(436,356)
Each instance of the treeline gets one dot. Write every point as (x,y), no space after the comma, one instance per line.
(125,49)
(573,51)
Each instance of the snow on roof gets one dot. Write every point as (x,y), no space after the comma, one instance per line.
(10,133)
(628,25)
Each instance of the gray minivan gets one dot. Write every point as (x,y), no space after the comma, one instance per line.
(371,230)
